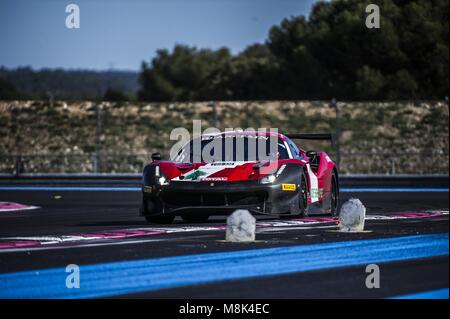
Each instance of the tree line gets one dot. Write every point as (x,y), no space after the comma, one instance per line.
(329,54)
(25,83)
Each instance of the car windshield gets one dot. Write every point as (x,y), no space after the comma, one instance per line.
(234,148)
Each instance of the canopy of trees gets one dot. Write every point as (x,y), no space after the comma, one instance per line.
(329,54)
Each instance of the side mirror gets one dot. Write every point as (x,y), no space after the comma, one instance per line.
(156,156)
(311,154)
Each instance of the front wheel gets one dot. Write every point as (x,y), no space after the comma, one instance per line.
(303,196)
(334,195)
(152,213)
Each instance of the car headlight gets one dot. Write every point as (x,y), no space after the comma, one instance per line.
(268,179)
(163,181)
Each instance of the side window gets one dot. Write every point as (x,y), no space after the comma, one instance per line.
(294,149)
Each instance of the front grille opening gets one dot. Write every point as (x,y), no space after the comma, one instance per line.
(246,198)
(214,199)
(183,199)
(187,199)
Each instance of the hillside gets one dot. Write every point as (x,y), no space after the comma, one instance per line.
(68,84)
(381,138)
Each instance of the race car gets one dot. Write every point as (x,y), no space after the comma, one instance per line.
(282,181)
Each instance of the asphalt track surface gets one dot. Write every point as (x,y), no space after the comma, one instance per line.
(406,235)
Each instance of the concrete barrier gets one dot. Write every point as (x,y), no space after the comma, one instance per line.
(352,216)
(241,226)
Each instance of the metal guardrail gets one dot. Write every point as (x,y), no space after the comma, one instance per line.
(354,163)
(394,181)
(133,179)
(75,163)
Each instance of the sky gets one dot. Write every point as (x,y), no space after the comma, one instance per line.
(120,34)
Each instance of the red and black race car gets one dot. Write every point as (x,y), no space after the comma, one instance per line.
(284,181)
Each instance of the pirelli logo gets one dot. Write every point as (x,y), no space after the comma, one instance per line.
(316,192)
(289,187)
(147,189)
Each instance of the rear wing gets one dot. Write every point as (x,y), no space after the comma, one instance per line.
(314,136)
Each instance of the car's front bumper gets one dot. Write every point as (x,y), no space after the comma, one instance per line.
(219,197)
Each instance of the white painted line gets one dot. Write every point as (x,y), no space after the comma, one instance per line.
(123,235)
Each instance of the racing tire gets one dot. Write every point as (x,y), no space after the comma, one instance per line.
(152,213)
(303,196)
(195,219)
(334,196)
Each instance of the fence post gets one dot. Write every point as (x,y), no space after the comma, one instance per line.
(333,104)
(392,166)
(19,167)
(50,98)
(94,162)
(97,139)
(215,117)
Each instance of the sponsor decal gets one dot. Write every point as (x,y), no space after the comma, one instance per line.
(222,164)
(194,176)
(206,172)
(316,193)
(314,185)
(214,179)
(289,187)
